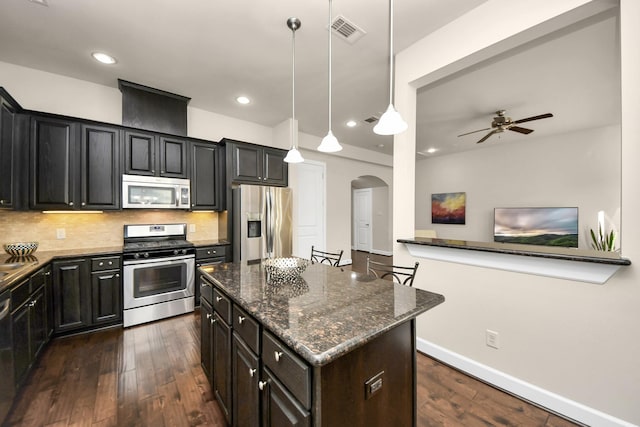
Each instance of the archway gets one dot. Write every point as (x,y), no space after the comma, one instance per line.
(371,221)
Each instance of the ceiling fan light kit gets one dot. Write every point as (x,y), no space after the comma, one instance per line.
(501,123)
(391,123)
(293,156)
(329,143)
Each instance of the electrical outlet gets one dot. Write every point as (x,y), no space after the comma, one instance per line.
(61,233)
(492,338)
(192,228)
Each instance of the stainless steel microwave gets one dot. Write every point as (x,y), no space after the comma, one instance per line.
(150,192)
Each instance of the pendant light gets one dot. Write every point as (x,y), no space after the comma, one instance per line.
(293,156)
(330,143)
(391,123)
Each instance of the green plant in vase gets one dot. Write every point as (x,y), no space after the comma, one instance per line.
(603,241)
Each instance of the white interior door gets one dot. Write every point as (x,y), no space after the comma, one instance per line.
(362,218)
(310,194)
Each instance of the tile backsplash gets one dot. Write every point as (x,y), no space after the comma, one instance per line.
(95,230)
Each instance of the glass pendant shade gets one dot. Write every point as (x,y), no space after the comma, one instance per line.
(293,156)
(391,123)
(329,144)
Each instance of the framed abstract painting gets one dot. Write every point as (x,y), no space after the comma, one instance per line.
(448,208)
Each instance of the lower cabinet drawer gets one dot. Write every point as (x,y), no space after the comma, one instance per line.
(247,328)
(222,304)
(290,370)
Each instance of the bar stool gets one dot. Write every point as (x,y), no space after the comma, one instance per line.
(398,274)
(322,257)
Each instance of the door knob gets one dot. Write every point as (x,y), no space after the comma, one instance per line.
(277,355)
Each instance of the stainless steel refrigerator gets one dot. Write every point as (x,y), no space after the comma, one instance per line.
(261,222)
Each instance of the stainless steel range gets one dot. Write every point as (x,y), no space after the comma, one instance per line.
(158,272)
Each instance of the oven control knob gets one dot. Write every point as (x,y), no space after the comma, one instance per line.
(146,254)
(136,255)
(184,252)
(175,252)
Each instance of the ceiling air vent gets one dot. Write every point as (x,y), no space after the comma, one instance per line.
(371,119)
(346,30)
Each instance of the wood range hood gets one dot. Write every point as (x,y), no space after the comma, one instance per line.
(153,109)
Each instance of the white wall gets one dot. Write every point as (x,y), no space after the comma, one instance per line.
(576,343)
(577,169)
(380,221)
(340,172)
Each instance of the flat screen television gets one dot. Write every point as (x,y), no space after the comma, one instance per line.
(536,226)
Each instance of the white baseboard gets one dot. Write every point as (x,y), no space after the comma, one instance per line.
(551,401)
(380,252)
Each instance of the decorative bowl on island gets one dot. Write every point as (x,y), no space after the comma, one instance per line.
(284,269)
(20,248)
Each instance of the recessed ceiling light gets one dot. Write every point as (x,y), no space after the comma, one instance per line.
(352,123)
(431,150)
(103,58)
(40,2)
(243,100)
(380,145)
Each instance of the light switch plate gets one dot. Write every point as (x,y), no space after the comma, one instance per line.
(61,233)
(192,228)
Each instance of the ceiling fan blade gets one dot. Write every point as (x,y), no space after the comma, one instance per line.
(521,130)
(484,138)
(529,119)
(479,130)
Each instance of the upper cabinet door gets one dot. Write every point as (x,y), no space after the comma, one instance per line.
(206,177)
(173,157)
(275,169)
(253,164)
(246,163)
(139,158)
(100,167)
(6,155)
(52,163)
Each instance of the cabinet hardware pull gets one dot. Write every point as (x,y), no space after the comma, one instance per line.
(252,372)
(70,203)
(100,263)
(218,299)
(32,303)
(278,355)
(240,320)
(262,384)
(213,321)
(110,262)
(208,315)
(117,274)
(48,273)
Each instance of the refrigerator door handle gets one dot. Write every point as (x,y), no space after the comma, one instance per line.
(269,222)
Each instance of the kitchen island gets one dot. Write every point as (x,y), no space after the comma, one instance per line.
(332,348)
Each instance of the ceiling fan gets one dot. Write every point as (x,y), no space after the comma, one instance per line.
(501,123)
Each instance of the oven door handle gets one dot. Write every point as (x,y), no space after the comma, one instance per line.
(159,261)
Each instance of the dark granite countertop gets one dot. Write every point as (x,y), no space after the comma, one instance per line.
(568,254)
(200,243)
(326,314)
(40,258)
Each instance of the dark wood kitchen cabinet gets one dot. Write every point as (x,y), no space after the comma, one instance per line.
(87,293)
(255,164)
(7,159)
(53,159)
(30,323)
(207,179)
(234,347)
(151,154)
(99,182)
(106,290)
(74,165)
(71,294)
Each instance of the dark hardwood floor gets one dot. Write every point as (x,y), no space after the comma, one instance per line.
(150,375)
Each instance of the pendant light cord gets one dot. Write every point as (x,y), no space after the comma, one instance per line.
(330,18)
(390,51)
(293,88)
